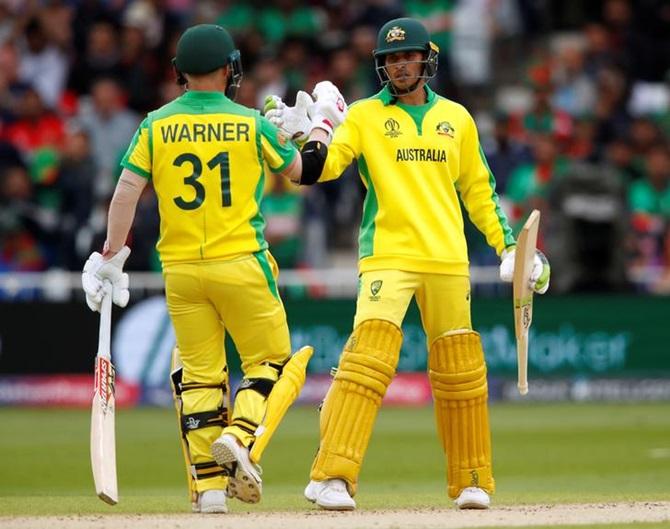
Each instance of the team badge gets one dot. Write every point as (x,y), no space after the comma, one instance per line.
(375,287)
(392,128)
(444,128)
(395,33)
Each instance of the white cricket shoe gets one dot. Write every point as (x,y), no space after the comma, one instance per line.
(211,501)
(331,494)
(473,498)
(245,481)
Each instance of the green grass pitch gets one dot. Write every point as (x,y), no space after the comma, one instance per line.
(543,453)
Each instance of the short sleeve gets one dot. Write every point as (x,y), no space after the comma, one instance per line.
(138,156)
(278,150)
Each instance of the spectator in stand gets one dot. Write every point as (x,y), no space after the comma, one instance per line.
(542,118)
(43,65)
(575,90)
(598,54)
(649,201)
(22,223)
(528,185)
(36,127)
(644,136)
(139,69)
(363,42)
(504,153)
(101,57)
(11,87)
(619,155)
(289,18)
(76,173)
(111,126)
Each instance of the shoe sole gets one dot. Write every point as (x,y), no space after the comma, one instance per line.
(473,505)
(242,485)
(213,510)
(336,507)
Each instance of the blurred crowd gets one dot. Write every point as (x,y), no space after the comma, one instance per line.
(572,100)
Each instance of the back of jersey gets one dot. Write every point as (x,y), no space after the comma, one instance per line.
(205,157)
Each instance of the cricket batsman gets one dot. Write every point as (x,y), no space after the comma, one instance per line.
(205,155)
(418,153)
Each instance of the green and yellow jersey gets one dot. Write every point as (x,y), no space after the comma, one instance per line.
(206,155)
(415,162)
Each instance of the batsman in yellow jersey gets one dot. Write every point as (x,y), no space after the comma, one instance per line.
(417,154)
(205,155)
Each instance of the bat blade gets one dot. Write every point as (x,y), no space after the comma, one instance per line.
(103,441)
(523,294)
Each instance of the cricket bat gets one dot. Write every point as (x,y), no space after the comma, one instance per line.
(103,444)
(523,294)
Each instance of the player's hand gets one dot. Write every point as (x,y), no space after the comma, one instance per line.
(292,121)
(539,276)
(96,270)
(329,108)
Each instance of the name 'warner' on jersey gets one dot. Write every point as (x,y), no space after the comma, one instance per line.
(415,161)
(205,155)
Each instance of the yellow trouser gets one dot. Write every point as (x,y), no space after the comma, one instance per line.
(443,300)
(369,361)
(206,299)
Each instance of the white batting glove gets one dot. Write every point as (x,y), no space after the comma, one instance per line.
(329,108)
(96,270)
(292,121)
(539,276)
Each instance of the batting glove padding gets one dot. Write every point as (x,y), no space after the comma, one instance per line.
(539,277)
(96,270)
(329,108)
(292,121)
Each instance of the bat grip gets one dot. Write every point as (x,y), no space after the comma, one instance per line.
(104,337)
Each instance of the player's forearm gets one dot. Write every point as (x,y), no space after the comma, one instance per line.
(122,210)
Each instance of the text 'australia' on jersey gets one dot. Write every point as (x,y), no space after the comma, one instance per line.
(205,155)
(415,162)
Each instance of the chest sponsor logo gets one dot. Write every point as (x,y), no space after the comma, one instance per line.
(392,128)
(421,155)
(395,33)
(444,128)
(375,287)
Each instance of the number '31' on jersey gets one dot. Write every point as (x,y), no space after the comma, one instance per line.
(205,155)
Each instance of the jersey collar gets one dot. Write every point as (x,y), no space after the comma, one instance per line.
(202,95)
(389,99)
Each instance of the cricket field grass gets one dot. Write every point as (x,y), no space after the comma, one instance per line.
(548,458)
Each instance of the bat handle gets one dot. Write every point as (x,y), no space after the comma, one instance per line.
(104,337)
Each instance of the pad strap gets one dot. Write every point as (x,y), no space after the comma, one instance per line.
(259,385)
(204,419)
(208,469)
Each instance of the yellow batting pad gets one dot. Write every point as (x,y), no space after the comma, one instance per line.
(283,394)
(192,491)
(367,366)
(458,379)
(202,472)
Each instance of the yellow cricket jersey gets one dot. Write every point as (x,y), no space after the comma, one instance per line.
(206,155)
(415,162)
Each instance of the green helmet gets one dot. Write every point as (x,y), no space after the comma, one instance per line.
(404,34)
(204,48)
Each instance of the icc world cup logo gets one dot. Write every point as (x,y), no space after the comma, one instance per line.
(392,128)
